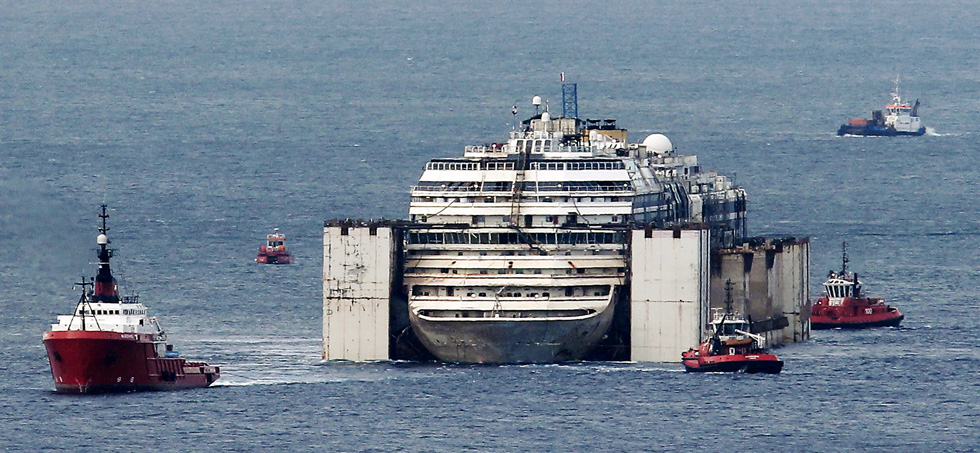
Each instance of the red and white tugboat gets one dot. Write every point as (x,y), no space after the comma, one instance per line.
(109,344)
(274,251)
(843,305)
(731,347)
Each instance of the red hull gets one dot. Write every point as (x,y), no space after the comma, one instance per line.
(84,361)
(854,314)
(748,363)
(273,258)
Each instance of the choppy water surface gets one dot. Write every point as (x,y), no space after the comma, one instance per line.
(204,125)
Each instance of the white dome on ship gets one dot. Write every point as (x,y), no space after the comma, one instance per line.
(658,143)
(536,100)
(102,239)
(545,116)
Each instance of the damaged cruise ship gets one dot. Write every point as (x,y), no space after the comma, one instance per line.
(518,251)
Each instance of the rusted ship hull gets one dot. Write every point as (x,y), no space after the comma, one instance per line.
(511,340)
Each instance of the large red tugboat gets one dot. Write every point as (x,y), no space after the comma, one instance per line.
(274,251)
(843,305)
(731,347)
(109,344)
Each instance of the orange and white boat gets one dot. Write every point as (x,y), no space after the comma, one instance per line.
(274,251)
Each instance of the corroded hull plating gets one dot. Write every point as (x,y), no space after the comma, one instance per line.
(505,340)
(85,361)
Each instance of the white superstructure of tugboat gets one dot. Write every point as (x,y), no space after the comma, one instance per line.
(518,251)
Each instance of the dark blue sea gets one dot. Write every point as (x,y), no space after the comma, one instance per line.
(204,124)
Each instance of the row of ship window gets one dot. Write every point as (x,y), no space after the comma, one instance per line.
(580,165)
(580,271)
(530,186)
(548,165)
(541,146)
(416,270)
(516,238)
(569,291)
(112,312)
(839,291)
(469,166)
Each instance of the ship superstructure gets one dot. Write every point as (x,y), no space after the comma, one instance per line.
(519,250)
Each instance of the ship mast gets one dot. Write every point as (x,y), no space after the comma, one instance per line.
(844,260)
(728,297)
(105,284)
(80,308)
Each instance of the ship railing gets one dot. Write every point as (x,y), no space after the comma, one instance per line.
(575,149)
(526,277)
(466,189)
(760,340)
(482,150)
(573,189)
(529,189)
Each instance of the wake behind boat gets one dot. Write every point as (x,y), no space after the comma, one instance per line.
(900,118)
(110,344)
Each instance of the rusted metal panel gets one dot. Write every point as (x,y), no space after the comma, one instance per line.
(357,277)
(771,283)
(669,293)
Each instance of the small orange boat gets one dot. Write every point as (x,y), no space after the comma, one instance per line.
(274,251)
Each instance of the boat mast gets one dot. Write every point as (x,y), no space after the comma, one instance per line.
(844,260)
(83,302)
(105,284)
(728,298)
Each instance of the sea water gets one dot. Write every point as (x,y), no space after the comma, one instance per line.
(203,125)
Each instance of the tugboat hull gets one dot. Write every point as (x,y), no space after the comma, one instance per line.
(877,131)
(857,313)
(891,319)
(745,363)
(85,361)
(265,258)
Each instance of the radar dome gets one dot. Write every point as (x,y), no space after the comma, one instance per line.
(658,143)
(545,116)
(536,100)
(102,239)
